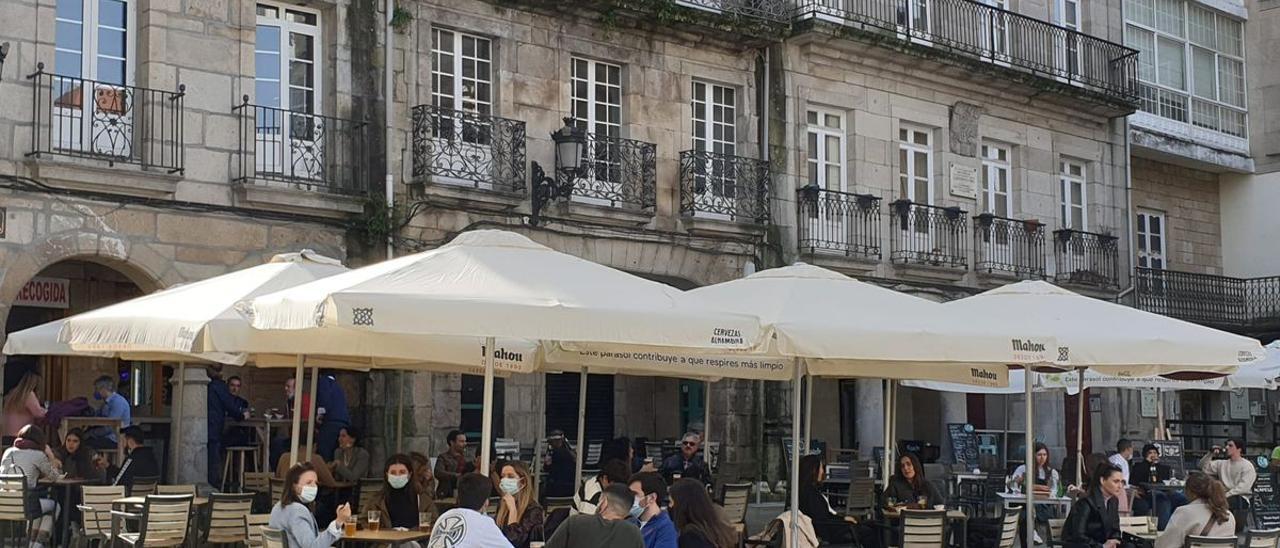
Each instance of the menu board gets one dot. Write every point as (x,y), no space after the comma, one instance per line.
(964,445)
(1264,491)
(1171,454)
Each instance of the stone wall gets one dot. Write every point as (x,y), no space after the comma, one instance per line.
(1189,200)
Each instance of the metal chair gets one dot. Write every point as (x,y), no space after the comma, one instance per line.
(277,489)
(734,498)
(164,522)
(175,490)
(370,488)
(924,528)
(862,497)
(253,526)
(1009,526)
(1257,538)
(274,538)
(1055,532)
(95,507)
(227,514)
(13,510)
(1136,525)
(1194,541)
(555,503)
(144,486)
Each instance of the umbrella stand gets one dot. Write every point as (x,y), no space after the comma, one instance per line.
(311,419)
(1160,434)
(539,436)
(486,427)
(1080,397)
(808,413)
(297,411)
(890,394)
(1028,477)
(400,413)
(175,433)
(794,484)
(706,420)
(580,452)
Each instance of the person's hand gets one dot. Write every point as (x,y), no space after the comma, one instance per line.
(99,463)
(246,414)
(510,502)
(1216,450)
(344,513)
(851,520)
(1113,543)
(648,467)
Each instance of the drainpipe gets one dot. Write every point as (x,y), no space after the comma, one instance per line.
(390,189)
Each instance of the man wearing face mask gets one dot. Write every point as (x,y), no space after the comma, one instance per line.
(655,525)
(609,527)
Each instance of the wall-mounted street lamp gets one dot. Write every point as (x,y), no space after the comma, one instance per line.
(571,148)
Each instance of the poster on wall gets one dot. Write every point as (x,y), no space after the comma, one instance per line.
(1239,404)
(1150,404)
(964,181)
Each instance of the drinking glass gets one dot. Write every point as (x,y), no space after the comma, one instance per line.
(424,521)
(349,528)
(374,518)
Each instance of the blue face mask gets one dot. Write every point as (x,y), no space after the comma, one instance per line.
(97,395)
(636,509)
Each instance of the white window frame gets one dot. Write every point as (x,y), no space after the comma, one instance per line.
(1145,234)
(73,125)
(286,28)
(601,156)
(818,134)
(1167,102)
(907,189)
(297,155)
(457,97)
(995,32)
(461,118)
(89,10)
(720,184)
(909,12)
(591,123)
(992,166)
(1066,181)
(1067,52)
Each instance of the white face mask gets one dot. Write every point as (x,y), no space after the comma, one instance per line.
(509,486)
(397,482)
(308,494)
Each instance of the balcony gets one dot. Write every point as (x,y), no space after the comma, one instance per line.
(838,223)
(1242,305)
(928,235)
(468,150)
(977,32)
(1008,247)
(99,121)
(748,23)
(302,151)
(615,173)
(724,187)
(1086,259)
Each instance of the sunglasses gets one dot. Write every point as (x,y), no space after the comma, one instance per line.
(689,443)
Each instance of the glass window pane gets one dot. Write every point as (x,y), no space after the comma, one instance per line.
(67,63)
(267,94)
(111,71)
(302,46)
(1172,63)
(833,177)
(1201,28)
(1141,11)
(1145,42)
(921,165)
(112,13)
(301,100)
(267,66)
(268,11)
(69,36)
(1169,16)
(1229,36)
(921,138)
(812,117)
(301,74)
(71,9)
(267,39)
(833,121)
(902,135)
(301,17)
(813,146)
(1231,78)
(111,43)
(833,149)
(1204,73)
(902,161)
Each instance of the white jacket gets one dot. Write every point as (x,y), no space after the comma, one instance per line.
(1190,520)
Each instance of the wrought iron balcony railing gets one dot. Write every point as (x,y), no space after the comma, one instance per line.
(1219,301)
(614,172)
(1086,258)
(307,151)
(976,30)
(768,10)
(1008,246)
(924,234)
(84,118)
(468,149)
(723,186)
(838,223)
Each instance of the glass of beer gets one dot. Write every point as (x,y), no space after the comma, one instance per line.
(349,528)
(424,521)
(374,518)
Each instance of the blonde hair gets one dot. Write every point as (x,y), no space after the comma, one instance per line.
(18,397)
(525,498)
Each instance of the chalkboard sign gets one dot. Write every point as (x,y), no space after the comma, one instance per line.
(964,445)
(1264,491)
(1172,455)
(1266,519)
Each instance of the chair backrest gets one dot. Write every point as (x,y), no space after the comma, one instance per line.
(165,519)
(273,538)
(144,486)
(13,489)
(370,489)
(257,482)
(1135,524)
(96,507)
(1055,529)
(862,496)
(175,490)
(653,450)
(922,528)
(227,512)
(492,509)
(1009,526)
(735,497)
(277,489)
(506,448)
(1257,538)
(1194,541)
(554,503)
(253,526)
(594,448)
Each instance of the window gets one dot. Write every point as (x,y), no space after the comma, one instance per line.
(1190,63)
(826,150)
(915,165)
(597,108)
(92,40)
(995,179)
(715,130)
(1151,237)
(461,72)
(287,59)
(1075,214)
(1066,13)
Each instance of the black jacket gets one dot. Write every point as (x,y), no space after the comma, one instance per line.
(828,525)
(139,463)
(1091,523)
(901,491)
(1141,474)
(693,539)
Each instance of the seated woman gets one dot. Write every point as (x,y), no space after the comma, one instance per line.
(1094,521)
(829,525)
(30,456)
(700,523)
(398,502)
(1207,515)
(908,488)
(293,516)
(424,482)
(78,460)
(350,462)
(519,515)
(1045,477)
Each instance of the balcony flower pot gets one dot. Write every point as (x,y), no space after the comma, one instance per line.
(1032,226)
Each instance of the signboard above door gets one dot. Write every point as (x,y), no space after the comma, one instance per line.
(45,293)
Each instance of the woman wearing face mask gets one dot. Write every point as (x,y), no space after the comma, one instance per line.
(398,502)
(293,513)
(519,515)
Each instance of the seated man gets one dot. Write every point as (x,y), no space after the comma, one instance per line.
(608,527)
(687,463)
(114,406)
(1147,474)
(139,461)
(466,526)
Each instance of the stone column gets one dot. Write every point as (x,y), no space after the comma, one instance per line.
(193,441)
(870,415)
(953,408)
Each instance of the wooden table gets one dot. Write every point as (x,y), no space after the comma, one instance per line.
(86,423)
(139,501)
(386,536)
(263,426)
(1010,498)
(67,485)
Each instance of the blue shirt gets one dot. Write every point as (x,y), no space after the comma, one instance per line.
(221,405)
(659,532)
(329,396)
(116,407)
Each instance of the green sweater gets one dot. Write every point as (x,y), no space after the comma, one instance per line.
(583,531)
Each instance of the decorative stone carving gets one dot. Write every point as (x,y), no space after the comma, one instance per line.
(964,129)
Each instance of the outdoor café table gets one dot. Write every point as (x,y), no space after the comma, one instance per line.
(385,536)
(85,423)
(893,514)
(1011,498)
(66,485)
